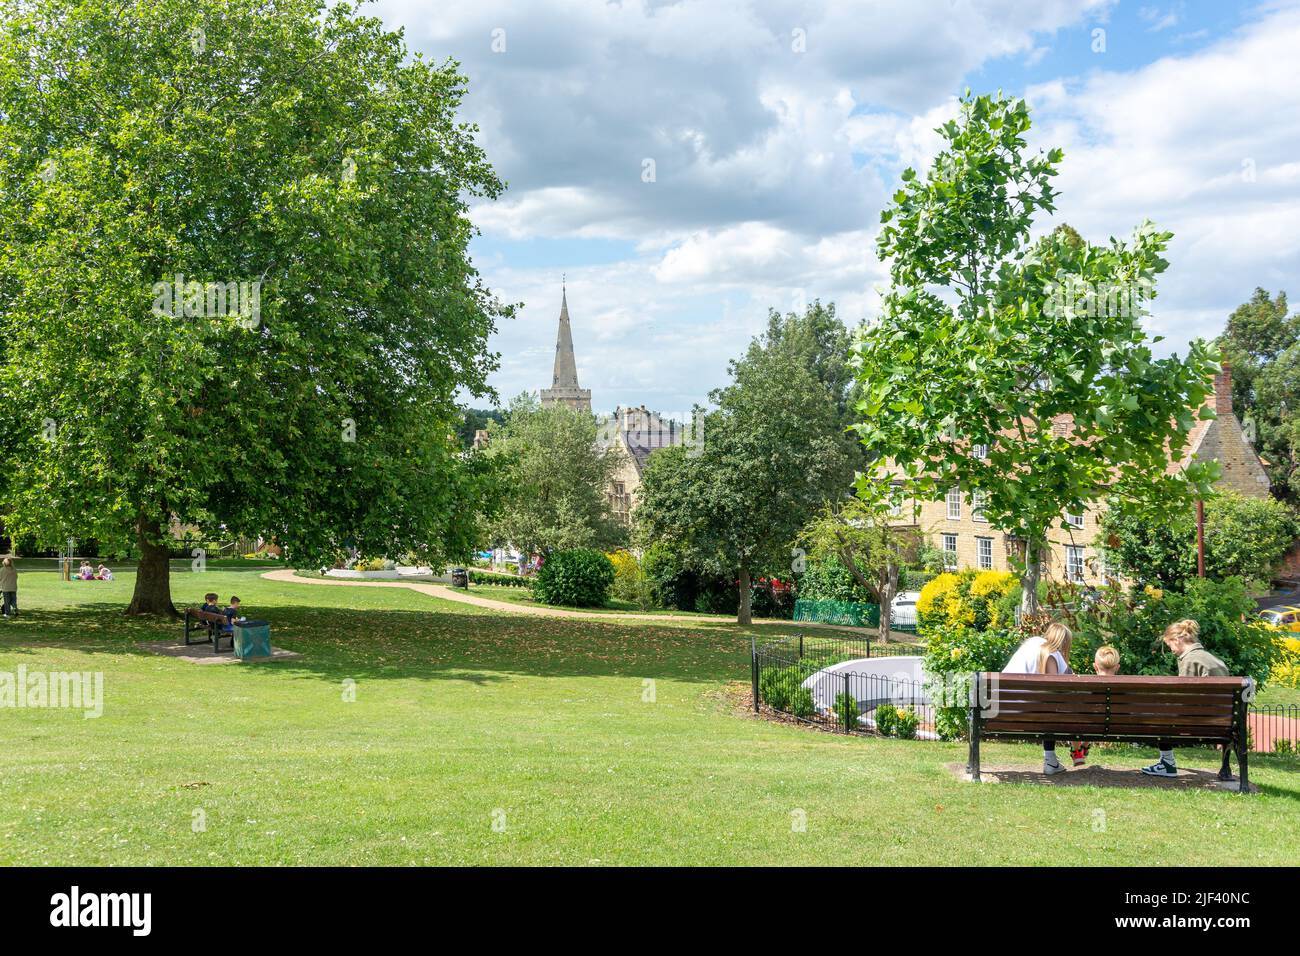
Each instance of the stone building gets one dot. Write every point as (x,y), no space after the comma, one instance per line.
(633,433)
(564,388)
(956,526)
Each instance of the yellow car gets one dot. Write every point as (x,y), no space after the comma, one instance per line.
(1285,618)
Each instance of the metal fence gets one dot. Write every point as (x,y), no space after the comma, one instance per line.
(799,677)
(845,614)
(1274,728)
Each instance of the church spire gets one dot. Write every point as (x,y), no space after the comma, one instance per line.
(564,388)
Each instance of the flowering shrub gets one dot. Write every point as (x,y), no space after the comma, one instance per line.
(932,604)
(631,582)
(969,598)
(1286,666)
(908,722)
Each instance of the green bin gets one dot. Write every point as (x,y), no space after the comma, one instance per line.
(253,639)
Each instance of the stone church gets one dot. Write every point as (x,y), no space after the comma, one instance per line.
(635,433)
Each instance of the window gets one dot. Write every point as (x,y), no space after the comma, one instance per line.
(950,552)
(1074,562)
(984,552)
(1074,521)
(977,506)
(980,451)
(954,503)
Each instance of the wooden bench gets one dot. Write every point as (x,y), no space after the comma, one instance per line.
(1189,711)
(209,624)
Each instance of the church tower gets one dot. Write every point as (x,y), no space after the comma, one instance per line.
(564,388)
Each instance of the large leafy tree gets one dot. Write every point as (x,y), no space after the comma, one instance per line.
(1262,343)
(1031,353)
(771,454)
(234,141)
(555,478)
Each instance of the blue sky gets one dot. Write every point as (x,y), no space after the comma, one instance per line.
(777,131)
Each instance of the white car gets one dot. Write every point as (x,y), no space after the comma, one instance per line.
(903,608)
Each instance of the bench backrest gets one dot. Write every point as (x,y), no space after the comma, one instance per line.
(1092,708)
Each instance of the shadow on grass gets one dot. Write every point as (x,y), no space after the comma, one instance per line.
(428,645)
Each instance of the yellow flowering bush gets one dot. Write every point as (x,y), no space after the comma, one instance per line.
(1286,666)
(966,599)
(932,604)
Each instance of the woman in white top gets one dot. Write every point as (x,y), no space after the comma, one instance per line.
(1044,655)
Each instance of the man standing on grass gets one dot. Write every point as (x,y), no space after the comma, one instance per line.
(1184,639)
(8,588)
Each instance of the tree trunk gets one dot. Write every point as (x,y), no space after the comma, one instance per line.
(153,587)
(888,588)
(1029,579)
(743,615)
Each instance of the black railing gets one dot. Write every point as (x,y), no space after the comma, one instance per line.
(796,676)
(799,677)
(1274,728)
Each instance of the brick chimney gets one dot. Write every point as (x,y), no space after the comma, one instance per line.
(1223,391)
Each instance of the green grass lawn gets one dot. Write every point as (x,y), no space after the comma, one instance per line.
(465,717)
(521,595)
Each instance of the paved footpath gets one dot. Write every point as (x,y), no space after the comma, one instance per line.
(454,594)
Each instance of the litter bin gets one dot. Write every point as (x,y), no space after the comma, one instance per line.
(252,639)
(460,578)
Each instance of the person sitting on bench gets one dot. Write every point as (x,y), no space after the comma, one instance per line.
(231,616)
(1044,655)
(1184,639)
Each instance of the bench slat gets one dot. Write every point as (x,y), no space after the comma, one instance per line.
(1101,722)
(1066,729)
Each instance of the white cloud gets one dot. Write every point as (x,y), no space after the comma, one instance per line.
(772,165)
(1205,145)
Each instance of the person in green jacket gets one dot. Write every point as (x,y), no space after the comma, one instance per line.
(8,588)
(1184,639)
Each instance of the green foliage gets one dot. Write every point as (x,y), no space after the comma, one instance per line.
(886,718)
(578,577)
(1247,537)
(631,583)
(1244,537)
(953,652)
(769,600)
(829,580)
(1262,343)
(1133,621)
(481,576)
(555,478)
(907,723)
(1020,350)
(801,703)
(846,709)
(951,723)
(781,688)
(771,453)
(305,150)
(474,420)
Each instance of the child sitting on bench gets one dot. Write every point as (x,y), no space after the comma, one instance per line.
(231,615)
